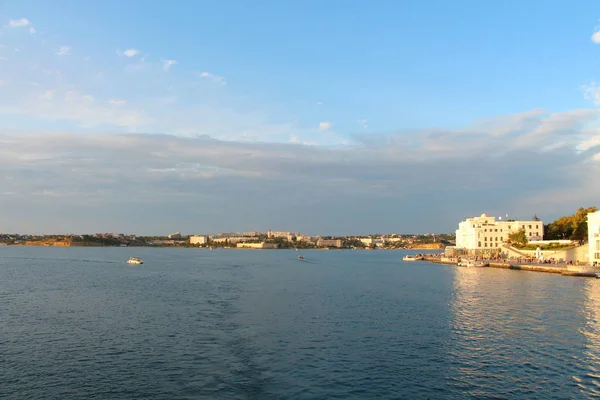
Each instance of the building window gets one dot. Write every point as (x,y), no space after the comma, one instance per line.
(485,230)
(485,245)
(529,226)
(496,230)
(529,233)
(496,238)
(485,238)
(509,227)
(479,244)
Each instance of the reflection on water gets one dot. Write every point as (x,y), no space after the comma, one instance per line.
(516,333)
(589,383)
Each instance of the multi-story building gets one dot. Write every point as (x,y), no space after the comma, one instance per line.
(594,237)
(175,235)
(372,242)
(198,239)
(286,235)
(330,243)
(485,233)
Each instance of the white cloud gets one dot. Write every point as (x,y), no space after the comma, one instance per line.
(32,30)
(116,102)
(63,51)
(48,95)
(130,53)
(168,63)
(591,91)
(323,126)
(596,37)
(213,77)
(19,23)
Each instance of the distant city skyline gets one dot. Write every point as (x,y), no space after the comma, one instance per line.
(321,117)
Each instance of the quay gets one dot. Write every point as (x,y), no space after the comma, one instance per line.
(561,268)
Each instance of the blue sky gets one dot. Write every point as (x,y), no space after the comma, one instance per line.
(326,117)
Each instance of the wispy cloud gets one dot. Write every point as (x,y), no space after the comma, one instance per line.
(116,102)
(129,52)
(323,126)
(63,51)
(213,77)
(168,64)
(19,23)
(48,95)
(596,37)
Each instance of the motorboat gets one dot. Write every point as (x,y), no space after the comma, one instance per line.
(411,258)
(134,260)
(472,263)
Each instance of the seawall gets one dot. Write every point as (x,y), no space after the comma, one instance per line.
(547,268)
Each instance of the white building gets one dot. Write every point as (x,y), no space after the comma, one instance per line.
(372,242)
(285,235)
(485,233)
(198,239)
(594,237)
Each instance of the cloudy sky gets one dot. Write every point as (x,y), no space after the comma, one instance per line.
(335,117)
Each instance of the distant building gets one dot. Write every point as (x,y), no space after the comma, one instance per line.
(285,235)
(261,245)
(330,243)
(594,237)
(176,235)
(252,234)
(198,239)
(485,233)
(234,239)
(372,242)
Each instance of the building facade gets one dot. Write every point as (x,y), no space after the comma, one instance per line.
(261,245)
(330,243)
(485,233)
(594,237)
(198,239)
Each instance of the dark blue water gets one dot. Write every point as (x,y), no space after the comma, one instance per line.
(79,323)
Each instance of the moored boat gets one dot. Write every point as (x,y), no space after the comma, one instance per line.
(134,260)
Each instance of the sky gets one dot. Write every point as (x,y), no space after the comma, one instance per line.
(324,117)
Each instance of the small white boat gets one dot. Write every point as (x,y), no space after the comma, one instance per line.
(472,263)
(411,258)
(134,260)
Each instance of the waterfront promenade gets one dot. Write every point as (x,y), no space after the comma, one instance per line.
(521,265)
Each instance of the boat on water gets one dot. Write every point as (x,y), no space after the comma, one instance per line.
(135,260)
(472,263)
(300,257)
(411,258)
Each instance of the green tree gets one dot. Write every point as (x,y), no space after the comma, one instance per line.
(572,227)
(519,237)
